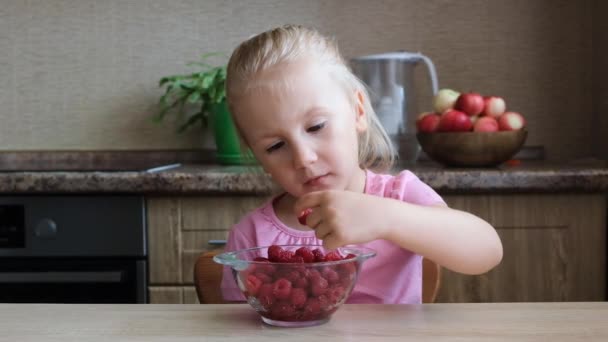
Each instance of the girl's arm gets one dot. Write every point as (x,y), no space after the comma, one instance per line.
(455,239)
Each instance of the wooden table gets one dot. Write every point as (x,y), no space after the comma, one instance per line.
(437,322)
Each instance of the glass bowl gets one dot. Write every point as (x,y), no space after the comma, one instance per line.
(296,285)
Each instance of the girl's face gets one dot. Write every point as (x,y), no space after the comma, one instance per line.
(303,127)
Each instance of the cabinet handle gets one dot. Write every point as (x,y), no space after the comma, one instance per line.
(61,277)
(217,242)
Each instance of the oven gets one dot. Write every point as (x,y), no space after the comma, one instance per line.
(73,249)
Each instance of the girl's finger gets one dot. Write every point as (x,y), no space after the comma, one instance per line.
(330,242)
(322,231)
(309,200)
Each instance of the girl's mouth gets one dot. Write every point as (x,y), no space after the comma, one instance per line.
(317,181)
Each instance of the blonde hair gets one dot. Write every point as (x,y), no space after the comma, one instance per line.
(291,43)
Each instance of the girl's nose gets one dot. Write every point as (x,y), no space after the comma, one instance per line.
(303,155)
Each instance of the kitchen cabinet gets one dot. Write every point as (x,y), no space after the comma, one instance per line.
(179,229)
(554,245)
(554,249)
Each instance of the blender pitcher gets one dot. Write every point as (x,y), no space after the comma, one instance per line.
(390,81)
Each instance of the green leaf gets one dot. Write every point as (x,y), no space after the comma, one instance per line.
(193,119)
(194,97)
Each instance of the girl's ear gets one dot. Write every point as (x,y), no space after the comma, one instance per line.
(361,116)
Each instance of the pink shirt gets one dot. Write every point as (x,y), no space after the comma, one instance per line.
(393,276)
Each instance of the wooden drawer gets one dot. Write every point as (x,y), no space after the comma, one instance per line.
(179,229)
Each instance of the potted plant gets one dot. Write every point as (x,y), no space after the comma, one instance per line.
(203,89)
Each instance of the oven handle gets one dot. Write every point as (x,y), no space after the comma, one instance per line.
(61,277)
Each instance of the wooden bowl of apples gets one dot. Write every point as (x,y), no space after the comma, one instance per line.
(471,131)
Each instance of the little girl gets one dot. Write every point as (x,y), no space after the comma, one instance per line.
(308,121)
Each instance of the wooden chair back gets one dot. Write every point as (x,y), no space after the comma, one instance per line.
(208,277)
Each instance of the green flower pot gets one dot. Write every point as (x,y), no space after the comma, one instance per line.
(226,138)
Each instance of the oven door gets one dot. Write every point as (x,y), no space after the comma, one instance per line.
(70,280)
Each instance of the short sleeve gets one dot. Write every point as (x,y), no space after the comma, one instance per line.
(409,188)
(230,290)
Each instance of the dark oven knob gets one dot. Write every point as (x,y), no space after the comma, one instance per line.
(46,229)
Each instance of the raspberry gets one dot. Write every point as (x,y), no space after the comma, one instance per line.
(335,294)
(253,283)
(303,215)
(265,296)
(301,283)
(333,256)
(331,275)
(319,257)
(274,253)
(265,278)
(312,306)
(318,286)
(282,310)
(266,268)
(281,288)
(296,259)
(306,254)
(298,297)
(286,256)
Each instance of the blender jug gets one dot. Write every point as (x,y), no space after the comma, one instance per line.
(390,81)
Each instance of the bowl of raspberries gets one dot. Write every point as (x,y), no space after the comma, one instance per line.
(296,285)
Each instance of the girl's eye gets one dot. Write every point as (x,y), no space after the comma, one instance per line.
(316,127)
(275,147)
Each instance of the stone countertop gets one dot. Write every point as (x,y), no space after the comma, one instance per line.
(197,179)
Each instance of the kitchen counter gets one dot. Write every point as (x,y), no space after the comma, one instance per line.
(582,176)
(238,322)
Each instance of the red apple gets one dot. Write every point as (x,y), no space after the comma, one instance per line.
(454,121)
(470,103)
(427,122)
(511,121)
(485,124)
(493,106)
(445,99)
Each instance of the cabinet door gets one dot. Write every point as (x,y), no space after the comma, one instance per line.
(554,249)
(179,229)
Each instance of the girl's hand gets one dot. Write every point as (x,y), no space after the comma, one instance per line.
(342,217)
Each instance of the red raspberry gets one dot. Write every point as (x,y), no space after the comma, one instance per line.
(265,296)
(296,259)
(350,256)
(323,301)
(319,257)
(266,268)
(274,253)
(284,257)
(333,256)
(303,215)
(265,278)
(318,286)
(298,297)
(301,283)
(335,294)
(331,275)
(347,269)
(282,310)
(312,307)
(253,283)
(281,288)
(306,254)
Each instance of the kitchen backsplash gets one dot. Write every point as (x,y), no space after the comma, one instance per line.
(83,75)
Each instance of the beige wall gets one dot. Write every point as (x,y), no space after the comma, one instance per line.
(82,74)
